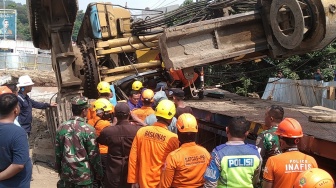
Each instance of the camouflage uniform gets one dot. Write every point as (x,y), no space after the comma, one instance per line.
(77,154)
(268,142)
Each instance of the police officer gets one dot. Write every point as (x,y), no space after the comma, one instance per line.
(151,146)
(27,104)
(234,164)
(77,155)
(185,166)
(282,170)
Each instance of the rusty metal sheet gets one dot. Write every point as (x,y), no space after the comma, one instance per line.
(213,40)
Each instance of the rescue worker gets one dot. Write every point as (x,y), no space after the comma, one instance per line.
(4,89)
(77,154)
(15,163)
(282,170)
(133,100)
(151,119)
(147,100)
(234,164)
(105,92)
(104,116)
(267,141)
(181,107)
(150,148)
(27,104)
(119,140)
(314,178)
(186,165)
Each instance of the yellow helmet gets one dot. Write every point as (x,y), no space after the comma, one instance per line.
(103,87)
(103,104)
(137,85)
(314,178)
(165,109)
(187,123)
(148,95)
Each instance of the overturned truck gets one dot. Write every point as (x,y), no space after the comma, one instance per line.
(112,46)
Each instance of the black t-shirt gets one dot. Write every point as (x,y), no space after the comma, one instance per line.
(180,111)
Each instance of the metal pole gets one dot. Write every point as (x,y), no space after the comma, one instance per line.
(4,11)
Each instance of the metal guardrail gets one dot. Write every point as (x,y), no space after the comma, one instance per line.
(25,61)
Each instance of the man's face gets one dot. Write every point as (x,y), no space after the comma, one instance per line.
(318,71)
(6,24)
(28,88)
(85,111)
(268,119)
(135,98)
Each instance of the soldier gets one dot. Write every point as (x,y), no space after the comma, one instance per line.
(267,141)
(77,155)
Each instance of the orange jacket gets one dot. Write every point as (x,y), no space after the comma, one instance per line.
(91,114)
(150,148)
(185,166)
(284,168)
(99,125)
(178,75)
(143,112)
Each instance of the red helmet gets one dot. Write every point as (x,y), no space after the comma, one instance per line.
(289,128)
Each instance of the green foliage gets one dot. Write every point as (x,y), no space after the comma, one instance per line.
(251,77)
(77,24)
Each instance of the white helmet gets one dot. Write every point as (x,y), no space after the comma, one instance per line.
(25,81)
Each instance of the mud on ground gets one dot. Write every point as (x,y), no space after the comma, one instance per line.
(42,153)
(40,78)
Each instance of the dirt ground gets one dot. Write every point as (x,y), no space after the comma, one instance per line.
(40,78)
(42,153)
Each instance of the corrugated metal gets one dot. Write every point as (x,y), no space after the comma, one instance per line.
(299,92)
(325,101)
(25,61)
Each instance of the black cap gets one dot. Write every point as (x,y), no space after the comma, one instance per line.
(122,107)
(177,92)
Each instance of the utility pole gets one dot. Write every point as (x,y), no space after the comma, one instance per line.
(4,15)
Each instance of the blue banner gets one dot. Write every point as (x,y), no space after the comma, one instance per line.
(8,24)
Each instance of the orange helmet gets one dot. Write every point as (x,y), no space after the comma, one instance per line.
(187,123)
(148,95)
(289,128)
(314,178)
(5,89)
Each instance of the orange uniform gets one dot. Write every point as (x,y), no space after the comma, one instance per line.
(91,113)
(178,75)
(150,148)
(185,166)
(284,168)
(143,112)
(99,125)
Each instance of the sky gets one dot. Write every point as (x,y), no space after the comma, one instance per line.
(130,3)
